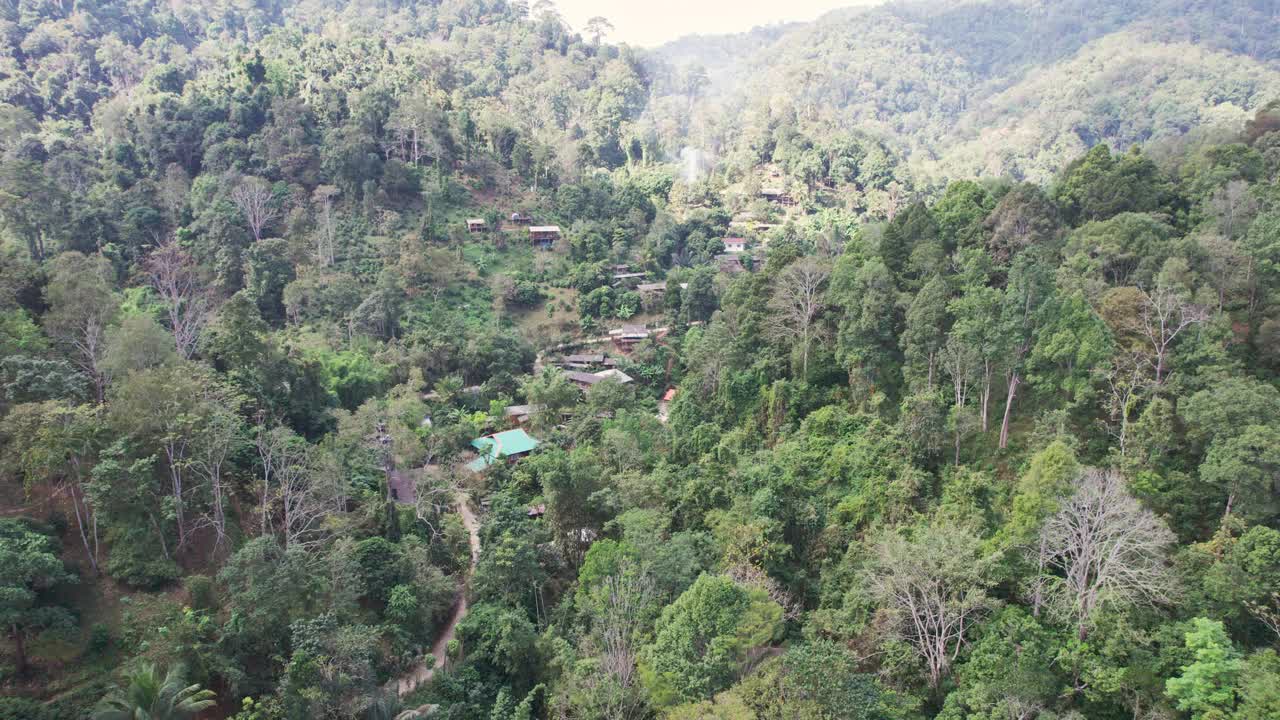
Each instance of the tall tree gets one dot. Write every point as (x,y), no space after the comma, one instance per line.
(82,304)
(1028,289)
(188,306)
(924,333)
(253,197)
(29,567)
(797,303)
(1103,548)
(934,590)
(1166,313)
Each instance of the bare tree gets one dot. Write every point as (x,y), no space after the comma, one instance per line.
(304,504)
(82,305)
(621,601)
(961,362)
(173,275)
(326,224)
(1234,207)
(797,303)
(1165,314)
(252,196)
(1126,380)
(934,589)
(216,442)
(752,576)
(288,491)
(433,495)
(1102,548)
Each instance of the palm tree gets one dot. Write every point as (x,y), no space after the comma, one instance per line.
(145,695)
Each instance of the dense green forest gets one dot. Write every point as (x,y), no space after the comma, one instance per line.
(382,360)
(1011,88)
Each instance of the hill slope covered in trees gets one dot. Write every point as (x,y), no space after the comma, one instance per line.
(382,360)
(967,87)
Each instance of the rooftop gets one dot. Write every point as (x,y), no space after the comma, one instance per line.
(584,378)
(544,228)
(615,374)
(500,445)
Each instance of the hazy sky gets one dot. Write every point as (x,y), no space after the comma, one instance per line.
(653,22)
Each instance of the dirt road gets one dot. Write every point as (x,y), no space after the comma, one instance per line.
(420,674)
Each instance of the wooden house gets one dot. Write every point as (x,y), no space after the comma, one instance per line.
(521,219)
(517,415)
(627,278)
(777,195)
(735,245)
(477,225)
(584,380)
(628,335)
(582,361)
(544,236)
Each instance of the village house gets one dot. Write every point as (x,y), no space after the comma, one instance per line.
(584,380)
(777,195)
(628,335)
(616,374)
(521,219)
(651,288)
(507,446)
(735,245)
(517,415)
(627,278)
(477,225)
(581,362)
(664,405)
(544,236)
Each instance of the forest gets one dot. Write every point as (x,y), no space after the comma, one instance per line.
(382,360)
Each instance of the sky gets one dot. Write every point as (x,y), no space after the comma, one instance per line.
(647,23)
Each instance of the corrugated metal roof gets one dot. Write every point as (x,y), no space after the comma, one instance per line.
(501,445)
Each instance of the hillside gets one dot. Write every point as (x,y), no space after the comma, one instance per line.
(1017,88)
(383,360)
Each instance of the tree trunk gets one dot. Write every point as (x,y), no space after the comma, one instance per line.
(81,521)
(1014,380)
(986,392)
(19,649)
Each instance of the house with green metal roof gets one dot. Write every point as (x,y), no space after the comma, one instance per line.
(507,445)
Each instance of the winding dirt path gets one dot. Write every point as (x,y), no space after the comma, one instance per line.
(420,674)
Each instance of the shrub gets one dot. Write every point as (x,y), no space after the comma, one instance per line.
(99,639)
(201,594)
